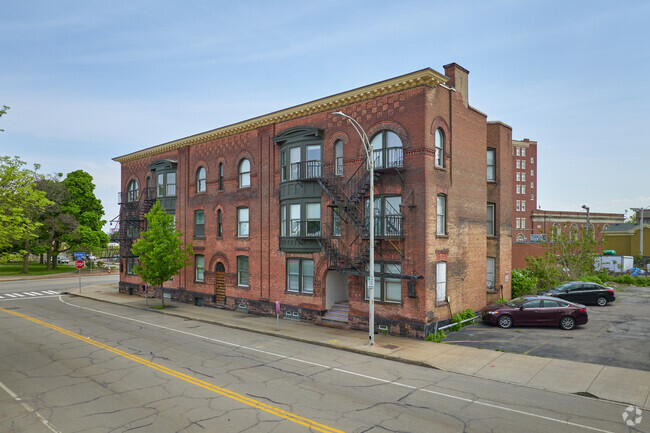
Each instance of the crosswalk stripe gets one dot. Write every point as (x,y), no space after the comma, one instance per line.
(18,295)
(51,292)
(11,296)
(33,293)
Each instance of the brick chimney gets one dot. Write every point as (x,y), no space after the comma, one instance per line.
(458,80)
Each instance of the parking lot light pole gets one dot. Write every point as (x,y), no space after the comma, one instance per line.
(640,210)
(585,207)
(370,284)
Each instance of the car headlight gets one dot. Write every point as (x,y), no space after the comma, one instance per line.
(491,312)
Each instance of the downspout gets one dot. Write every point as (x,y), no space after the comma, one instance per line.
(451,134)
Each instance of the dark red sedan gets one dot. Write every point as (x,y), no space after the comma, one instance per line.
(536,310)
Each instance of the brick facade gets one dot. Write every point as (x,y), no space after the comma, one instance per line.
(413,108)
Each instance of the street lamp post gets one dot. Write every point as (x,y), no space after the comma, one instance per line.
(640,210)
(367,146)
(585,207)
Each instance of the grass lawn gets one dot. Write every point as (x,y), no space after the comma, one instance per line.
(34,269)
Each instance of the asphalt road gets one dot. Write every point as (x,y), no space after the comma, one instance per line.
(76,365)
(616,335)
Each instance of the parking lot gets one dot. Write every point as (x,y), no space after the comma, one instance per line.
(616,335)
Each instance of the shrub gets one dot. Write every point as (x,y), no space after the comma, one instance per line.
(592,279)
(523,283)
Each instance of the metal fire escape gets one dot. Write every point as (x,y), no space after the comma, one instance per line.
(348,197)
(134,205)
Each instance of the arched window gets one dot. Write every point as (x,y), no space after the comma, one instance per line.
(387,149)
(133,194)
(521,238)
(573,232)
(200,179)
(244,173)
(557,230)
(221,176)
(440,148)
(338,158)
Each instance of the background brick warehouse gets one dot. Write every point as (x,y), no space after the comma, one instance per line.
(413,107)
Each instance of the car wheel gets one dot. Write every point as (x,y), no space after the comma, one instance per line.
(567,323)
(601,301)
(505,321)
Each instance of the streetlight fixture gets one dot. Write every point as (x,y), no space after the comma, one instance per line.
(640,210)
(367,146)
(585,207)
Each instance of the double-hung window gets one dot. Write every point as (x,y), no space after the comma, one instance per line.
(199,224)
(388,287)
(490,219)
(200,180)
(441,214)
(244,173)
(388,217)
(441,281)
(199,267)
(301,162)
(300,275)
(338,158)
(242,222)
(242,271)
(490,267)
(300,219)
(440,148)
(492,165)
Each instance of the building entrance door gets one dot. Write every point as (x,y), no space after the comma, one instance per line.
(220,284)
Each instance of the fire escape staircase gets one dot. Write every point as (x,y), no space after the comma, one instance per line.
(132,218)
(348,196)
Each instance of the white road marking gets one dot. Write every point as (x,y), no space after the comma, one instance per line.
(30,409)
(377,379)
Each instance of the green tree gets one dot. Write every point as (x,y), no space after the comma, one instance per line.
(3,111)
(160,249)
(81,203)
(570,256)
(20,207)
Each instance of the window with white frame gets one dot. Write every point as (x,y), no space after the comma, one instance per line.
(523,151)
(532,184)
(523,223)
(200,180)
(220,174)
(242,222)
(387,149)
(517,223)
(166,184)
(441,281)
(244,173)
(518,188)
(532,196)
(523,189)
(336,222)
(532,160)
(523,163)
(242,271)
(440,148)
(523,205)
(132,191)
(518,204)
(300,275)
(490,273)
(338,158)
(199,267)
(532,172)
(490,219)
(491,165)
(441,214)
(199,224)
(518,176)
(523,176)
(518,151)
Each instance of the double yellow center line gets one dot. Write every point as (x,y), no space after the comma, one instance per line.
(206,385)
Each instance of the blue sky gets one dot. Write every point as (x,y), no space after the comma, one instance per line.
(90,80)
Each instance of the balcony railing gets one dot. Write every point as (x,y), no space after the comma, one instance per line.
(304,170)
(310,228)
(391,157)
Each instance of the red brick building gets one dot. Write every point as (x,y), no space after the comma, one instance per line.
(276,207)
(524,188)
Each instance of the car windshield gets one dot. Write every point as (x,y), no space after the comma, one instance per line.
(563,286)
(516,302)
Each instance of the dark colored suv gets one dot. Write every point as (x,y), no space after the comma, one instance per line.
(583,292)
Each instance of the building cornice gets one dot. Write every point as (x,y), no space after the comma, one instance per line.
(424,77)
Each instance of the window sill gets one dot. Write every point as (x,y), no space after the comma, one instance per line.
(289,292)
(491,181)
(445,236)
(440,167)
(242,287)
(441,304)
(199,282)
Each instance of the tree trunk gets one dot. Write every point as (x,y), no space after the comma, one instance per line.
(26,258)
(162,295)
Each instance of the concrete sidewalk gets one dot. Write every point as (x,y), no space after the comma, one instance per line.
(608,383)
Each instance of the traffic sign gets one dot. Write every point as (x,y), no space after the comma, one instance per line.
(79,256)
(79,264)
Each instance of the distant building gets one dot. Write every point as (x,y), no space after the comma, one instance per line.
(530,225)
(625,238)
